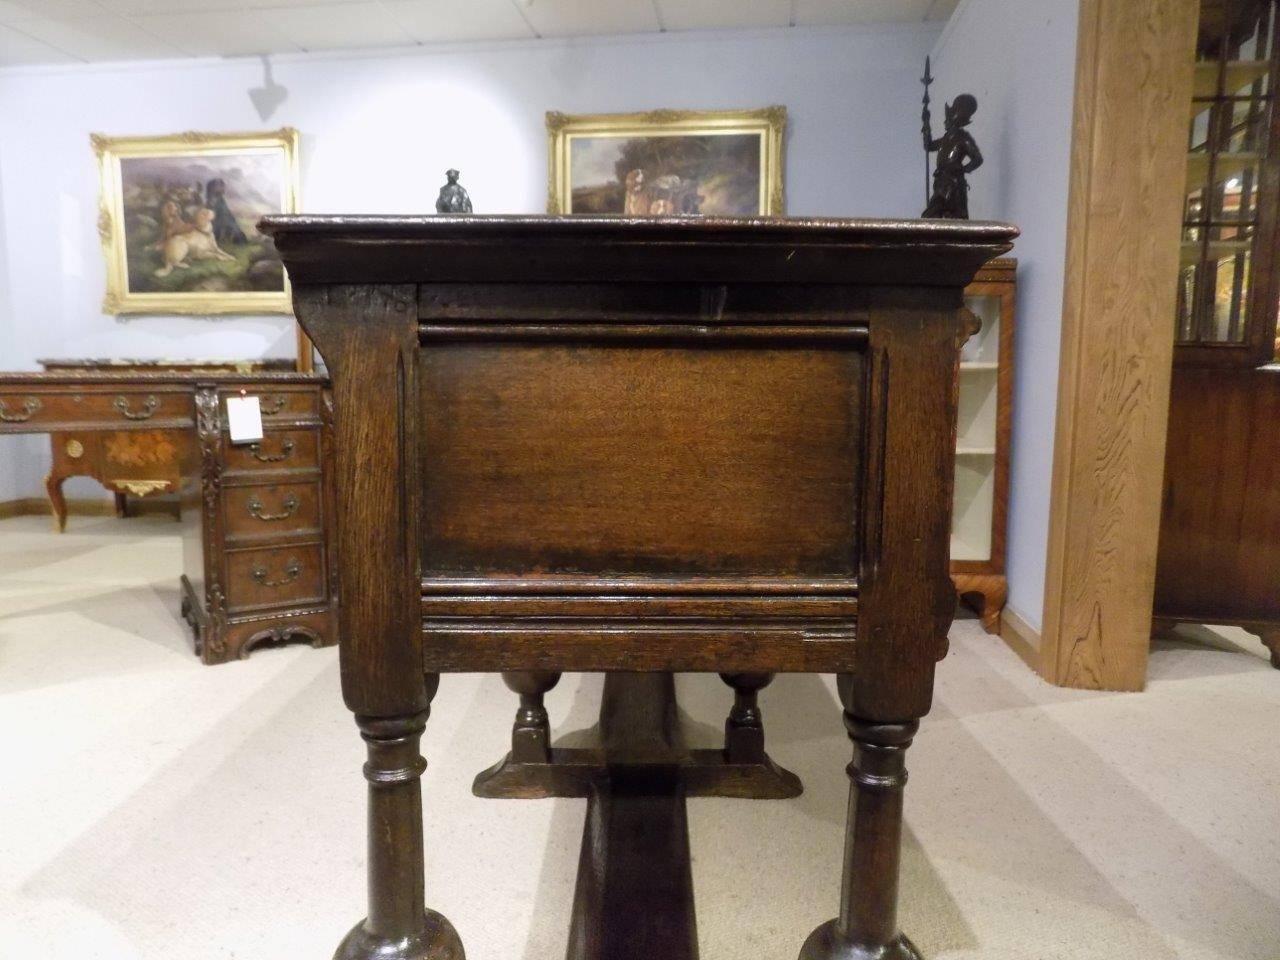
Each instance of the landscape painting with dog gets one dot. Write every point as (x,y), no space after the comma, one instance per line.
(668,163)
(180,221)
(666,175)
(190,223)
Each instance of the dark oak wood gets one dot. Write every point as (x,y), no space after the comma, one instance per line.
(1219,548)
(1219,555)
(641,445)
(639,727)
(246,580)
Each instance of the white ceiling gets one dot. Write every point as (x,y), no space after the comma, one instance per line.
(86,31)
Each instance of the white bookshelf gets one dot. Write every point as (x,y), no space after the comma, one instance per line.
(976,434)
(981,479)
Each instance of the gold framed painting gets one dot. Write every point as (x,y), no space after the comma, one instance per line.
(178,220)
(667,163)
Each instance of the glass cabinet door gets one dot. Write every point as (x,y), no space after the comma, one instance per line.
(1226,291)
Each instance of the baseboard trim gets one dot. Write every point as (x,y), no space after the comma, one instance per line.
(39,507)
(1022,638)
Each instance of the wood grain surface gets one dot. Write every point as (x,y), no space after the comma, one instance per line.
(1133,83)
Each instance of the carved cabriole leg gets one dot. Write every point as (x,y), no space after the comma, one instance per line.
(399,926)
(57,502)
(867,928)
(531,735)
(744,729)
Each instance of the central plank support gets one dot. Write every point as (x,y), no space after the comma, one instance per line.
(634,893)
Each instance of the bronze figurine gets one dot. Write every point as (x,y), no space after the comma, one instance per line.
(453,196)
(958,155)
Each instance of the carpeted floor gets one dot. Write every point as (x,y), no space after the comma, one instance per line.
(152,808)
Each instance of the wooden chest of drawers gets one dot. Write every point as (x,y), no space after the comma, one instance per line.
(256,563)
(256,518)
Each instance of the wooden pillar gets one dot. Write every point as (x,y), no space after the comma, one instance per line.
(1127,187)
(370,337)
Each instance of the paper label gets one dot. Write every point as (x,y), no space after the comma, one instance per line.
(244,419)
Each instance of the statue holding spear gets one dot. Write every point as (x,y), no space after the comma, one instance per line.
(958,155)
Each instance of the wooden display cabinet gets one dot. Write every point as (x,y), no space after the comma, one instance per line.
(980,509)
(1219,555)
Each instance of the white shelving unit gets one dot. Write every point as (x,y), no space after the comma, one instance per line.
(976,435)
(982,439)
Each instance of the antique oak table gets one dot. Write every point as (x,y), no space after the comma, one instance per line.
(638,446)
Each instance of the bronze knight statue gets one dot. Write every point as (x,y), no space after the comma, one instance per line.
(958,155)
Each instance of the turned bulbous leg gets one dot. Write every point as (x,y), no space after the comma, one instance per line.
(399,926)
(867,927)
(531,735)
(744,729)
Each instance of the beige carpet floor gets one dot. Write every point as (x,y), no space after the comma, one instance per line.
(155,809)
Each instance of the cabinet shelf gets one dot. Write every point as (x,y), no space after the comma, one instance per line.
(1227,166)
(1239,74)
(1217,249)
(979,366)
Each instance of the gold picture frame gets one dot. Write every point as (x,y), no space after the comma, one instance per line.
(145,201)
(586,144)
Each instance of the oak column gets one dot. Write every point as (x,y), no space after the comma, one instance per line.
(369,335)
(905,603)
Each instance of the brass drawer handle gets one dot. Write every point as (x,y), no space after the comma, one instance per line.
(290,508)
(273,405)
(148,408)
(29,406)
(291,571)
(286,449)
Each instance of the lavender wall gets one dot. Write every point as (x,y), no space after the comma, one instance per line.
(379,129)
(1018,58)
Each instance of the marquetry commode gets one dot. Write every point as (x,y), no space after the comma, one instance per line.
(638,446)
(256,564)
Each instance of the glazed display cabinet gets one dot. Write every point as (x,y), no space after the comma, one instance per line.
(980,510)
(1219,554)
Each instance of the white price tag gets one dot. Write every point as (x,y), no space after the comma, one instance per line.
(244,419)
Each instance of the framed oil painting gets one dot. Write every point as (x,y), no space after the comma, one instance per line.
(179,218)
(667,163)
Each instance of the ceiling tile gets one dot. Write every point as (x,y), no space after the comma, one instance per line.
(216,34)
(132,8)
(723,14)
(562,18)
(11,12)
(100,38)
(432,21)
(344,25)
(17,49)
(830,12)
(58,9)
